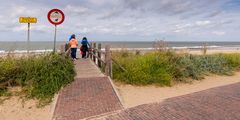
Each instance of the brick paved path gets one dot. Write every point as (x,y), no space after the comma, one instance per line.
(89,95)
(221,103)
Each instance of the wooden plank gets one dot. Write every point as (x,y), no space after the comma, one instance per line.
(90,51)
(99,56)
(94,52)
(120,66)
(108,61)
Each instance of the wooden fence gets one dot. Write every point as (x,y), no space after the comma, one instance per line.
(102,58)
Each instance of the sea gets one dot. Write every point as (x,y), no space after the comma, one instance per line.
(47,46)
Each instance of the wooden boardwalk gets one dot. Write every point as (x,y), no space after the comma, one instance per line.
(85,68)
(91,94)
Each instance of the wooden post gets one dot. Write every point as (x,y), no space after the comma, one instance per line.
(99,55)
(91,51)
(204,48)
(110,64)
(94,53)
(62,48)
(108,69)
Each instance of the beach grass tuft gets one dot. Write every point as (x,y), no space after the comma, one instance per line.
(233,60)
(166,67)
(40,76)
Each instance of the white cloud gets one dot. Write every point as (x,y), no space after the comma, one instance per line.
(73,9)
(219,33)
(203,23)
(19,28)
(126,17)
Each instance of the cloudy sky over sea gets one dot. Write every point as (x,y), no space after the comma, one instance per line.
(175,20)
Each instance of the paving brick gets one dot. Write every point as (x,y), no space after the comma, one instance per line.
(221,103)
(86,97)
(90,94)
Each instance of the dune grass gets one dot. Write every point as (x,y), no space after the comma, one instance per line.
(233,60)
(40,76)
(164,68)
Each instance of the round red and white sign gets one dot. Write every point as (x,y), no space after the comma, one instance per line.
(56,16)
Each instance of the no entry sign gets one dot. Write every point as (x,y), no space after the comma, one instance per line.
(56,16)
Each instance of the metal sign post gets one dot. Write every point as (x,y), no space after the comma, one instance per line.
(28,20)
(55,38)
(28,38)
(56,17)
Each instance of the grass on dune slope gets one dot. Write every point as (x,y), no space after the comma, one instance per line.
(39,76)
(163,68)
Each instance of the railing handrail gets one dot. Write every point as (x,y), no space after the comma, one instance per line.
(95,52)
(102,62)
(103,52)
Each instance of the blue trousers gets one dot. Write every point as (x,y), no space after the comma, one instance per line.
(73,52)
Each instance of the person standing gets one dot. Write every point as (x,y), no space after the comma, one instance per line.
(84,47)
(73,45)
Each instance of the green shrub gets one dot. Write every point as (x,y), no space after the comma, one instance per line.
(8,68)
(215,64)
(196,66)
(233,60)
(185,67)
(163,67)
(41,76)
(3,91)
(143,70)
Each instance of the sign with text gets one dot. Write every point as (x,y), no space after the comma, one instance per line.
(28,20)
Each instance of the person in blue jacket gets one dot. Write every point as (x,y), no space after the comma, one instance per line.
(85,47)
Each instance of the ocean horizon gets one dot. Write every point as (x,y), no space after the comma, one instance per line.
(41,46)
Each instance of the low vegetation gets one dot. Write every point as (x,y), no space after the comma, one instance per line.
(39,76)
(233,60)
(164,67)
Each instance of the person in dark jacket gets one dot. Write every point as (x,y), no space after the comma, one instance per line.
(85,47)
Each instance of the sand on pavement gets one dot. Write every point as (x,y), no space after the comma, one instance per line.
(135,95)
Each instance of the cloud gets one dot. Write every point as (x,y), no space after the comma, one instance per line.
(76,10)
(149,18)
(219,33)
(203,23)
(213,14)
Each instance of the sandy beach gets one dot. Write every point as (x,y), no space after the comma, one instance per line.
(135,95)
(213,51)
(15,108)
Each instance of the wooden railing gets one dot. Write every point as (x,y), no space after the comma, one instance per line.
(103,62)
(102,58)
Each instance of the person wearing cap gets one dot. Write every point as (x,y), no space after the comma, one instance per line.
(73,45)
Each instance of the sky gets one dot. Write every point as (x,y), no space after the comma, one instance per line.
(124,20)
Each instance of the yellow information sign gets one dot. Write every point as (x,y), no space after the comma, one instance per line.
(28,20)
